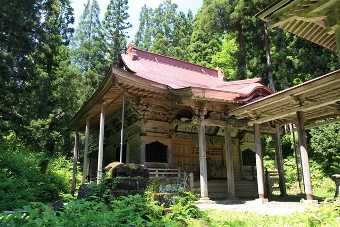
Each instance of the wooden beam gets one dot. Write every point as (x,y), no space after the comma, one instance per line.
(314,124)
(309,86)
(292,112)
(212,122)
(304,155)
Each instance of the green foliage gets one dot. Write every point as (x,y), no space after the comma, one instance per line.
(22,180)
(225,59)
(88,48)
(134,210)
(327,215)
(325,144)
(165,30)
(115,25)
(184,209)
(35,68)
(323,186)
(143,37)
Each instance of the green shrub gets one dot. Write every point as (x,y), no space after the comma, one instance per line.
(21,178)
(323,186)
(325,144)
(184,208)
(136,210)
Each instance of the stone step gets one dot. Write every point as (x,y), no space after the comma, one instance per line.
(218,188)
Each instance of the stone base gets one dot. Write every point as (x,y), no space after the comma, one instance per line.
(309,201)
(262,200)
(229,200)
(205,200)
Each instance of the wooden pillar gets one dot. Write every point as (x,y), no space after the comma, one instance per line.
(169,154)
(127,152)
(229,162)
(304,155)
(75,160)
(101,144)
(279,161)
(203,160)
(337,35)
(142,152)
(122,131)
(191,181)
(259,162)
(86,151)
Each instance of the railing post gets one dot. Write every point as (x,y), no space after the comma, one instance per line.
(191,180)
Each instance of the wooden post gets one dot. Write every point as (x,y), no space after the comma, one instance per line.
(101,144)
(191,181)
(297,157)
(259,162)
(75,160)
(122,131)
(86,151)
(229,162)
(304,155)
(337,35)
(127,152)
(142,152)
(279,161)
(203,160)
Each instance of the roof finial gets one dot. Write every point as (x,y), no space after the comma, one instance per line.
(131,51)
(220,74)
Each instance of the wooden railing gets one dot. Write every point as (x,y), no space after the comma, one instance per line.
(272,180)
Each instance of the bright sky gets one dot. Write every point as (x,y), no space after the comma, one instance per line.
(135,8)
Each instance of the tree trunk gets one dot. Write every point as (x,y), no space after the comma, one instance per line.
(242,52)
(269,60)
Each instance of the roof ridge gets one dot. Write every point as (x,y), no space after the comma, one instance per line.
(245,81)
(175,59)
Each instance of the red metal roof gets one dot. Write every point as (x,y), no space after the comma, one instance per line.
(178,74)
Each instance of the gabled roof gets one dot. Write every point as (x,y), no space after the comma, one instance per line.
(154,75)
(177,74)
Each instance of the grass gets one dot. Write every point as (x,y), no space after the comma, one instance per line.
(328,214)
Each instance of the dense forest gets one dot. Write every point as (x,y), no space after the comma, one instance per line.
(49,66)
